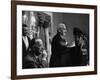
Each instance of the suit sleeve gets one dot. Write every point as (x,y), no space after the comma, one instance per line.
(63,49)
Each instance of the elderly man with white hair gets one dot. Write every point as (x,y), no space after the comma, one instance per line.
(59,47)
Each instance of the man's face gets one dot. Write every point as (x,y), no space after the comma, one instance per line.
(39,48)
(63,31)
(25,31)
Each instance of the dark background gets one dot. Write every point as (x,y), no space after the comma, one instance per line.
(71,20)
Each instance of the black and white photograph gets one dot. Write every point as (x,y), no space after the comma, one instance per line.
(51,40)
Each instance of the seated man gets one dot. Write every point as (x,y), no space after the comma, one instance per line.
(37,57)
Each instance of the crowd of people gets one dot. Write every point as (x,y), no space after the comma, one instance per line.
(34,54)
(76,54)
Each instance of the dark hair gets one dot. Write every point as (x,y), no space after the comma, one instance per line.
(23,12)
(77,31)
(24,25)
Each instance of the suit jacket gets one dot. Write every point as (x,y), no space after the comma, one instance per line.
(24,50)
(34,62)
(58,50)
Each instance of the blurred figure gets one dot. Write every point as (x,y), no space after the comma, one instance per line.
(25,42)
(80,56)
(84,49)
(37,57)
(24,17)
(59,48)
(34,32)
(25,31)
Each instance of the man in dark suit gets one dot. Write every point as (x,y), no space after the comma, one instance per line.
(59,48)
(25,42)
(37,56)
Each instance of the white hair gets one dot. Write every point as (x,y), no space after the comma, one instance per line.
(61,26)
(38,41)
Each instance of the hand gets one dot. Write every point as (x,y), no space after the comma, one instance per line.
(72,44)
(44,55)
(66,43)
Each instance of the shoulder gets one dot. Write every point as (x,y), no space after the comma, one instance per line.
(56,37)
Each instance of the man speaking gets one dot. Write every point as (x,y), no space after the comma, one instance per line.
(59,47)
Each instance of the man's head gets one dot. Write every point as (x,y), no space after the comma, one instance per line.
(77,34)
(38,46)
(62,29)
(24,29)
